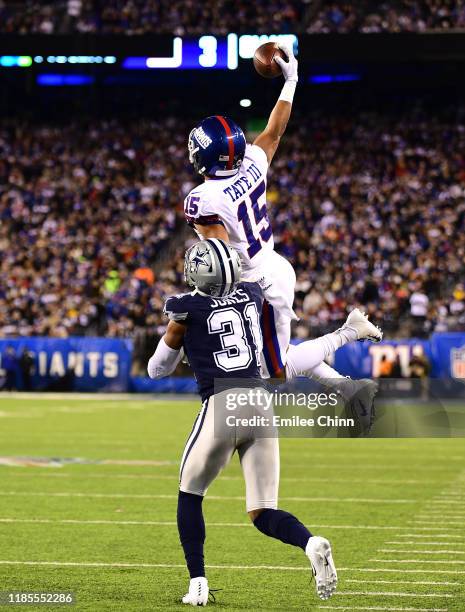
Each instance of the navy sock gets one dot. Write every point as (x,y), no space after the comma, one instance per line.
(191,527)
(283,526)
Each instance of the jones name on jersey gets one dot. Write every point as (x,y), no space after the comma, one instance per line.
(223,337)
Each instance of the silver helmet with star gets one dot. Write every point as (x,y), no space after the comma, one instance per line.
(212,267)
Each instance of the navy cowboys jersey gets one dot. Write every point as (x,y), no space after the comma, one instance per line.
(223,337)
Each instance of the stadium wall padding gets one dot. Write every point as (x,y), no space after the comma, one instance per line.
(76,363)
(104,364)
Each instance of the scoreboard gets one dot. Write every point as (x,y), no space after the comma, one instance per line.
(177,53)
(210,52)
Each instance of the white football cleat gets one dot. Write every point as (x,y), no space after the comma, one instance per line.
(358,321)
(198,592)
(318,550)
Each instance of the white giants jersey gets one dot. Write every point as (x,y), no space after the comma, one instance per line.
(239,203)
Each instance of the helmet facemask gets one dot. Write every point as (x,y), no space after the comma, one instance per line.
(193,147)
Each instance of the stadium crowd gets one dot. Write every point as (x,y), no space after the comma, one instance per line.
(368,17)
(84,213)
(133,17)
(369,208)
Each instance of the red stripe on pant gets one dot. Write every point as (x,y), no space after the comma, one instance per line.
(269,348)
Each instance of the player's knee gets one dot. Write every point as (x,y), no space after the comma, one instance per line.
(254,514)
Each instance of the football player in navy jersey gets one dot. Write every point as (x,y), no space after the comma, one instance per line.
(217,326)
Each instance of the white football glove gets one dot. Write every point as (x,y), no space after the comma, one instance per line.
(289,68)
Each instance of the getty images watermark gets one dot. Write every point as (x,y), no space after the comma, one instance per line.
(245,408)
(264,408)
(393,408)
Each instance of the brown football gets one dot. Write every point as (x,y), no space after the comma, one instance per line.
(263,60)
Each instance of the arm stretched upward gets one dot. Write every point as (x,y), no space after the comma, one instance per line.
(269,139)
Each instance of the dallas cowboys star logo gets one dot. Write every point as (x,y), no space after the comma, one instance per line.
(198,260)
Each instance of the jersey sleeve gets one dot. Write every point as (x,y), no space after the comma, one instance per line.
(199,210)
(258,156)
(177,308)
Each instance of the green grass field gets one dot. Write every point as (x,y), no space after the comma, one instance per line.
(393,510)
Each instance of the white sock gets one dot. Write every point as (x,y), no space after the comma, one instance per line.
(303,358)
(324,371)
(331,379)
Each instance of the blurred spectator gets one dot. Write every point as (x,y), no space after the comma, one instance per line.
(396,371)
(26,364)
(419,303)
(420,368)
(385,367)
(10,365)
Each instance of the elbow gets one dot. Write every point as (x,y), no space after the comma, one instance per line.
(276,132)
(275,136)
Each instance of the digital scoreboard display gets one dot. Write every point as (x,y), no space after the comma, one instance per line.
(204,52)
(209,52)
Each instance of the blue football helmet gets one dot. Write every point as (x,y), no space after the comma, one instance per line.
(216,147)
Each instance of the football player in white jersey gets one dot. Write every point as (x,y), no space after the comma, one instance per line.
(231,205)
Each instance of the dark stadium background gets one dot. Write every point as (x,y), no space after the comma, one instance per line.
(402,79)
(367,200)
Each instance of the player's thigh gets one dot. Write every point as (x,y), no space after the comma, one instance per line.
(260,466)
(279,286)
(277,314)
(204,455)
(276,335)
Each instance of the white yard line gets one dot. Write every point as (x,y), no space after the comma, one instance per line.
(422,582)
(447,494)
(171,523)
(395,594)
(390,609)
(92,397)
(428,543)
(446,502)
(446,522)
(426,535)
(287,466)
(421,552)
(210,497)
(438,561)
(226,567)
(451,495)
(107,522)
(434,516)
(441,510)
(152,565)
(110,475)
(407,571)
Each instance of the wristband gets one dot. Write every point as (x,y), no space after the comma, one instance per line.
(288,91)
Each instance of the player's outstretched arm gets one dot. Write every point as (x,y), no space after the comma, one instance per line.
(168,352)
(269,139)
